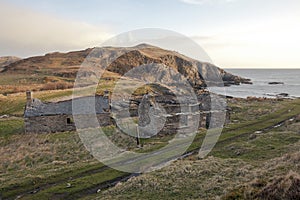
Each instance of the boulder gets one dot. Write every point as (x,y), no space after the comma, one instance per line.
(276,83)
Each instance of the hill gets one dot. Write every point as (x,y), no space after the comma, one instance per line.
(256,157)
(7,60)
(38,72)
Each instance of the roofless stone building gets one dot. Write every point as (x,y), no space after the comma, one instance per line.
(44,117)
(50,117)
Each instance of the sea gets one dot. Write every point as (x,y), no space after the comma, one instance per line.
(261,86)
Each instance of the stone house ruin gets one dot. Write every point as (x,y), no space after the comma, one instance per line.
(49,117)
(44,117)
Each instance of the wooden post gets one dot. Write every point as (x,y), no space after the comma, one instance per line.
(137,136)
(28,98)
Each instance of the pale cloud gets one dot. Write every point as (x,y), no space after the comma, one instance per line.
(200,2)
(26,32)
(268,43)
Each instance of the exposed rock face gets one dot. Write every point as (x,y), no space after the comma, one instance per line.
(279,95)
(67,64)
(276,83)
(230,79)
(7,60)
(198,73)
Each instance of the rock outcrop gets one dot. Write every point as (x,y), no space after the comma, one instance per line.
(275,83)
(199,74)
(7,60)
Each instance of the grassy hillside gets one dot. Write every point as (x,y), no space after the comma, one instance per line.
(59,70)
(245,164)
(47,166)
(14,104)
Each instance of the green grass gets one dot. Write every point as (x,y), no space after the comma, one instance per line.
(290,108)
(11,126)
(263,147)
(233,143)
(15,104)
(52,180)
(77,185)
(40,170)
(241,131)
(64,174)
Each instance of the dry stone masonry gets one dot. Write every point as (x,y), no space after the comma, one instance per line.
(50,117)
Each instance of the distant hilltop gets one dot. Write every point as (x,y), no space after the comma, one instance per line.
(62,67)
(7,60)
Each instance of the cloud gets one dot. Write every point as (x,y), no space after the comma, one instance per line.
(200,2)
(25,32)
(272,43)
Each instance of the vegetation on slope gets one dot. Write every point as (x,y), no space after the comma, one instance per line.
(264,166)
(59,70)
(45,166)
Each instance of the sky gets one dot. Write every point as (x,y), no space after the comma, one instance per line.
(234,33)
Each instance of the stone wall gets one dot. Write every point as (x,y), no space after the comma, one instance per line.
(61,123)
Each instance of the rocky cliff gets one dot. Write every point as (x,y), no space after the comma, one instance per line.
(7,60)
(66,65)
(198,73)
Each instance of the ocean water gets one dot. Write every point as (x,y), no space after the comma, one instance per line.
(260,79)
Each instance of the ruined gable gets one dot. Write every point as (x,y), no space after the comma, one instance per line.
(46,117)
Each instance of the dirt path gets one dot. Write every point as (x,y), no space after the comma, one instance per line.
(113,182)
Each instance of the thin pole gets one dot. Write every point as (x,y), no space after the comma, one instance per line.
(137,136)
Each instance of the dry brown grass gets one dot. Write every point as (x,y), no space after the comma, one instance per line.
(60,85)
(214,177)
(285,187)
(276,179)
(29,150)
(201,179)
(11,89)
(30,153)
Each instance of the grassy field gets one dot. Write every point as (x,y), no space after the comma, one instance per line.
(57,166)
(11,126)
(18,82)
(14,104)
(241,166)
